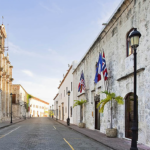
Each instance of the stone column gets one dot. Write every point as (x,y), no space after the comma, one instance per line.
(1,69)
(8,99)
(4,95)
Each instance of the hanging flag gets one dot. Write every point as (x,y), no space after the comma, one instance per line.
(79,87)
(98,69)
(104,68)
(81,83)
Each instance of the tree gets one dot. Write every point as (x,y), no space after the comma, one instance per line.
(109,98)
(28,101)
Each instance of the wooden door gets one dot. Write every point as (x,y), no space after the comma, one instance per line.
(129,114)
(97,114)
(62,113)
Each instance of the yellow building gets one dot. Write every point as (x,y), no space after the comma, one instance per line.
(5,77)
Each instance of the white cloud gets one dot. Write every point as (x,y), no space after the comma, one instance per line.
(54,8)
(52,56)
(42,87)
(27,72)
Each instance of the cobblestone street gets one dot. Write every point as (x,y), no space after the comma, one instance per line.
(45,134)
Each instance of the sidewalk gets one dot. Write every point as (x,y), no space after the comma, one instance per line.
(7,123)
(115,143)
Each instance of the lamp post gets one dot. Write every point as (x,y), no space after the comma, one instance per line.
(52,111)
(56,110)
(68,119)
(25,109)
(11,107)
(134,37)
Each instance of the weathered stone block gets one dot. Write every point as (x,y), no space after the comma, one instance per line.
(81,125)
(111,133)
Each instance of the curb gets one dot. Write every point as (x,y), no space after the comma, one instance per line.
(11,124)
(85,135)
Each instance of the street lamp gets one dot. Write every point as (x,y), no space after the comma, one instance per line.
(68,119)
(134,37)
(11,107)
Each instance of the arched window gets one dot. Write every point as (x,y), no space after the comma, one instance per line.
(129,48)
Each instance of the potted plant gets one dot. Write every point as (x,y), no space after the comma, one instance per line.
(80,103)
(110,132)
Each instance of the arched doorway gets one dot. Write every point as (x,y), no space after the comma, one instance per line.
(129,114)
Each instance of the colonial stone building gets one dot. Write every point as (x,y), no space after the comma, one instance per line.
(114,40)
(19,102)
(5,77)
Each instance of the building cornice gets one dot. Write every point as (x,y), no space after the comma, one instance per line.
(10,66)
(65,77)
(56,96)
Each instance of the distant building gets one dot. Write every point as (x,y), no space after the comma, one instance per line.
(20,102)
(39,108)
(61,99)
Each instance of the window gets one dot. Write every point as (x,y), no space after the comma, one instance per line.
(71,86)
(66,90)
(129,48)
(36,106)
(71,111)
(14,98)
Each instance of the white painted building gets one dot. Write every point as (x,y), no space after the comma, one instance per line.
(119,60)
(61,99)
(39,108)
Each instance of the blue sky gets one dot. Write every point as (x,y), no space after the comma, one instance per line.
(46,35)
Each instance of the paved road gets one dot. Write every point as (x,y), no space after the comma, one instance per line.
(45,134)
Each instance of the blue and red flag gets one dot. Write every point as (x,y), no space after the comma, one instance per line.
(104,68)
(98,69)
(81,83)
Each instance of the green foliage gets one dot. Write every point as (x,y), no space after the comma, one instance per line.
(77,102)
(28,99)
(109,97)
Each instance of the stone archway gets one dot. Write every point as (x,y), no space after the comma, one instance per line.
(129,102)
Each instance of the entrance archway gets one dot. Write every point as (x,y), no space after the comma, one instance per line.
(129,114)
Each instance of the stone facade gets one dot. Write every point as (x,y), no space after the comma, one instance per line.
(113,40)
(19,101)
(5,78)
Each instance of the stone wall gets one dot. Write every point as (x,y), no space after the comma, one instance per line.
(131,14)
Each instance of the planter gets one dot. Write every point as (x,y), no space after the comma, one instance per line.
(112,133)
(81,125)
